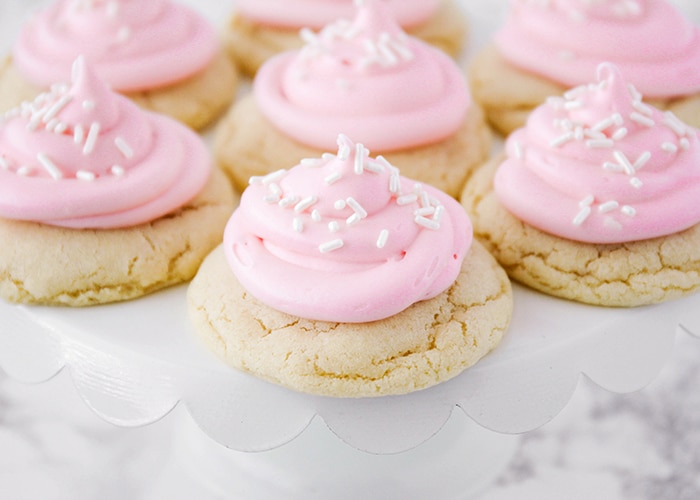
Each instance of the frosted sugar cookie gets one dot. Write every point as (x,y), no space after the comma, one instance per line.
(159,53)
(260,29)
(101,201)
(340,277)
(544,48)
(595,199)
(393,93)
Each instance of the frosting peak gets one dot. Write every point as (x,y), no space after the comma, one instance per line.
(82,156)
(600,166)
(133,45)
(345,238)
(376,75)
(654,45)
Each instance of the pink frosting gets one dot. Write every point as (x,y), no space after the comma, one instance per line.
(367,79)
(132,44)
(600,166)
(653,44)
(344,238)
(82,156)
(318,13)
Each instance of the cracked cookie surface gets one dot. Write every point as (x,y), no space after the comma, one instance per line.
(428,343)
(622,275)
(247,144)
(41,264)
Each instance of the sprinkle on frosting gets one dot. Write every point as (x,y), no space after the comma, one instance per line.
(361,250)
(398,92)
(132,44)
(115,151)
(651,42)
(634,167)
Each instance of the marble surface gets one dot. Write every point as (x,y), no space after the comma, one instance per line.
(644,445)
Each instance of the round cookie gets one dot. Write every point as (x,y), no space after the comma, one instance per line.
(250,44)
(428,343)
(623,274)
(164,57)
(79,267)
(246,144)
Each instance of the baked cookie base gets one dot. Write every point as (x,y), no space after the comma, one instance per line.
(508,94)
(250,44)
(621,275)
(247,144)
(197,101)
(41,264)
(428,343)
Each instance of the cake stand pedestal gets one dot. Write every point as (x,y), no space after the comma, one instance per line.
(240,437)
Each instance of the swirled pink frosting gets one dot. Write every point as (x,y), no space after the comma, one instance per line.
(345,238)
(132,44)
(82,156)
(318,13)
(367,79)
(652,43)
(601,166)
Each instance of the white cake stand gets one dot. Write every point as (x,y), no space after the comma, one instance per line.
(133,362)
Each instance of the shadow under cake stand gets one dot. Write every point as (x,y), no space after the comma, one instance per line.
(133,362)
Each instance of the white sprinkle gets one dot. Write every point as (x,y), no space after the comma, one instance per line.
(394,182)
(288,201)
(57,107)
(555,102)
(685,143)
(575,92)
(619,134)
(339,204)
(333,226)
(624,162)
(356,207)
(388,57)
(88,104)
(439,212)
(85,175)
(271,198)
(634,93)
(4,164)
(642,108)
(78,134)
(329,246)
(636,182)
(600,143)
(571,105)
(311,162)
(612,223)
(628,210)
(60,127)
(382,239)
(612,167)
(51,126)
(298,224)
(91,140)
(305,203)
(407,199)
(424,211)
(562,139)
(641,119)
(327,156)
(587,201)
(344,152)
(582,216)
(359,158)
(374,166)
(117,170)
(334,177)
(672,122)
(617,119)
(273,177)
(24,171)
(316,215)
(603,124)
(427,223)
(124,148)
(519,150)
(642,160)
(308,36)
(669,147)
(608,206)
(49,166)
(353,219)
(275,189)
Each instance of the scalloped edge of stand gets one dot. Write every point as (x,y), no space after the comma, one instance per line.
(515,389)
